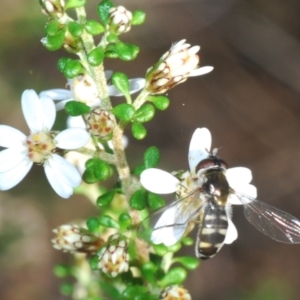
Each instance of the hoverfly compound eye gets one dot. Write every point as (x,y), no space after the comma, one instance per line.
(211,162)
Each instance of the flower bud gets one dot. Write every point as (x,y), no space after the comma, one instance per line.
(119,20)
(100,123)
(53,8)
(174,67)
(113,257)
(72,238)
(175,292)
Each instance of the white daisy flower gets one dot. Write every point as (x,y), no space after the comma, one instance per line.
(39,147)
(83,89)
(162,182)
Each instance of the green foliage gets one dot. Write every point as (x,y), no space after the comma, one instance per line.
(53,28)
(62,271)
(66,289)
(74,3)
(125,221)
(138,17)
(120,81)
(75,29)
(154,201)
(54,42)
(138,200)
(108,221)
(93,262)
(159,101)
(151,157)
(137,292)
(96,56)
(96,170)
(127,51)
(149,270)
(93,224)
(70,67)
(93,27)
(145,113)
(124,112)
(174,276)
(106,198)
(103,10)
(76,108)
(187,241)
(138,130)
(189,262)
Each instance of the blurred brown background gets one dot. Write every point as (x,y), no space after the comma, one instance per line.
(250,102)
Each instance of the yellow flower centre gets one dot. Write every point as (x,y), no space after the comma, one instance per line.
(40,146)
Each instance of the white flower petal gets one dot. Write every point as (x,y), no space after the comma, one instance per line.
(49,112)
(72,138)
(159,181)
(238,176)
(11,137)
(61,105)
(75,122)
(246,190)
(57,94)
(10,158)
(231,234)
(136,84)
(65,170)
(32,110)
(108,74)
(12,177)
(201,71)
(199,147)
(59,186)
(166,233)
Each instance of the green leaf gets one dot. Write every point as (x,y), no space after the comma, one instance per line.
(96,56)
(120,81)
(132,291)
(92,224)
(54,42)
(93,27)
(93,262)
(101,169)
(190,262)
(138,130)
(108,221)
(127,51)
(174,248)
(62,62)
(160,102)
(187,241)
(138,200)
(124,112)
(66,289)
(125,221)
(75,29)
(105,199)
(145,113)
(61,271)
(103,10)
(154,201)
(138,170)
(174,276)
(160,249)
(151,157)
(112,38)
(111,51)
(76,108)
(53,28)
(73,68)
(89,176)
(138,17)
(74,3)
(149,271)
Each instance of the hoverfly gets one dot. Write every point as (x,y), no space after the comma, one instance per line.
(205,198)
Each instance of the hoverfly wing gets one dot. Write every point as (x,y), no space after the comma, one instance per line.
(168,224)
(275,223)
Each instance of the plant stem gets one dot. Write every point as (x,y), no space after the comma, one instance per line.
(141,98)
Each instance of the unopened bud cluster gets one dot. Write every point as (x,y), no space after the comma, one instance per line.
(175,292)
(53,8)
(100,123)
(113,257)
(72,238)
(119,20)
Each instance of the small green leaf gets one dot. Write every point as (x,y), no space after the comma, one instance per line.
(174,248)
(187,241)
(101,169)
(111,51)
(160,249)
(105,199)
(53,28)
(75,29)
(120,81)
(138,170)
(151,157)
(124,112)
(112,38)
(138,17)
(61,271)
(89,176)
(73,68)
(103,10)
(154,201)
(174,276)
(76,108)
(138,200)
(160,102)
(125,221)
(131,292)
(93,27)
(138,130)
(96,56)
(92,224)
(149,271)
(66,289)
(54,42)
(62,62)
(74,3)
(93,262)
(190,262)
(127,51)
(108,221)
(145,113)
